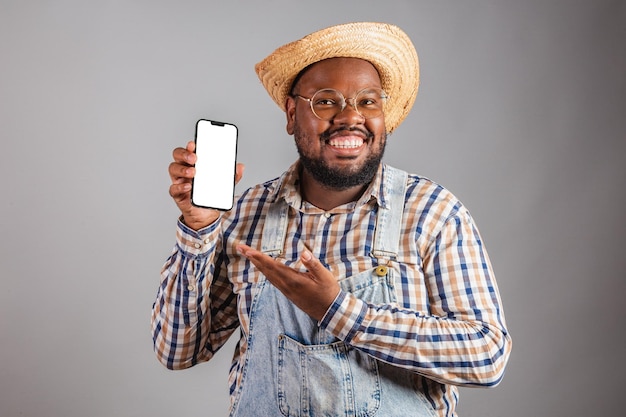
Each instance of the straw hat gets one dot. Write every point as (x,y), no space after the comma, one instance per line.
(386,46)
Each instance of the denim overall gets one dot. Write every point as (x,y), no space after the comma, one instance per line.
(293,368)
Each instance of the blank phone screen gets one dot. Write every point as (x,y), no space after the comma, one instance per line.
(216,151)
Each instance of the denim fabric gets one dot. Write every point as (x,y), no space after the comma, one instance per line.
(294,368)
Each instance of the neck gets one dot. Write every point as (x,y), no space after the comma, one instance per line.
(327,198)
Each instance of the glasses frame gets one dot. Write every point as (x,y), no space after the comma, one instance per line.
(345,102)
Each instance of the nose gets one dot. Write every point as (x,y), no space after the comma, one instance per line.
(349,113)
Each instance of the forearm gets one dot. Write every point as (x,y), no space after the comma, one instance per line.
(446,350)
(184,331)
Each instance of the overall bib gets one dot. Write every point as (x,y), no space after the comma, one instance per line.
(293,368)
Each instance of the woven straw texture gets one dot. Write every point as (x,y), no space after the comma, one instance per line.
(386,46)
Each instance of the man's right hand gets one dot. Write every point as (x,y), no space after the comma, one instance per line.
(182,172)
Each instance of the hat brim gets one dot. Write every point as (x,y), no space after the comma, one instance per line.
(386,46)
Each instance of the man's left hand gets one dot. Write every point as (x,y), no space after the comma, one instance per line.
(312,291)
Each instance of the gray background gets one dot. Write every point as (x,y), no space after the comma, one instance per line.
(521,113)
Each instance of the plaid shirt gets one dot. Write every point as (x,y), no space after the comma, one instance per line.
(447,324)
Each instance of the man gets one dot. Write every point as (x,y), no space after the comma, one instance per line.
(358,289)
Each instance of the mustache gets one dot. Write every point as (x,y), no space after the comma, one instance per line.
(325,136)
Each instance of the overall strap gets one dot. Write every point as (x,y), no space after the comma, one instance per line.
(389,218)
(275,228)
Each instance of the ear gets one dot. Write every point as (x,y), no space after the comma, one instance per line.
(290,112)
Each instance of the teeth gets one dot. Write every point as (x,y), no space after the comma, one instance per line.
(346,143)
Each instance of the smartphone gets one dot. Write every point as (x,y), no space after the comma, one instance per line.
(216,150)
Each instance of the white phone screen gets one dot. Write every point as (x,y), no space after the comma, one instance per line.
(216,151)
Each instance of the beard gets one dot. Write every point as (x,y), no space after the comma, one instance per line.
(335,178)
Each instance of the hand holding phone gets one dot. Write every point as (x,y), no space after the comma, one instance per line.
(213,185)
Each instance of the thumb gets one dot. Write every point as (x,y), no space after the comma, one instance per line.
(239,168)
(312,263)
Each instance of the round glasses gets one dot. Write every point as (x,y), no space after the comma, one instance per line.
(328,103)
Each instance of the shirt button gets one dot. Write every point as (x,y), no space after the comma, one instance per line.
(197,246)
(327,215)
(207,240)
(190,287)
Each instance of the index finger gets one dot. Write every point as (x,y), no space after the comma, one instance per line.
(185,155)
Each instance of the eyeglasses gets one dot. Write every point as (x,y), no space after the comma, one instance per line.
(328,103)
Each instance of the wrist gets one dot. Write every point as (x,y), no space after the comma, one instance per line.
(196,224)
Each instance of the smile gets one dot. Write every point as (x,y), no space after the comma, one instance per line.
(346,143)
